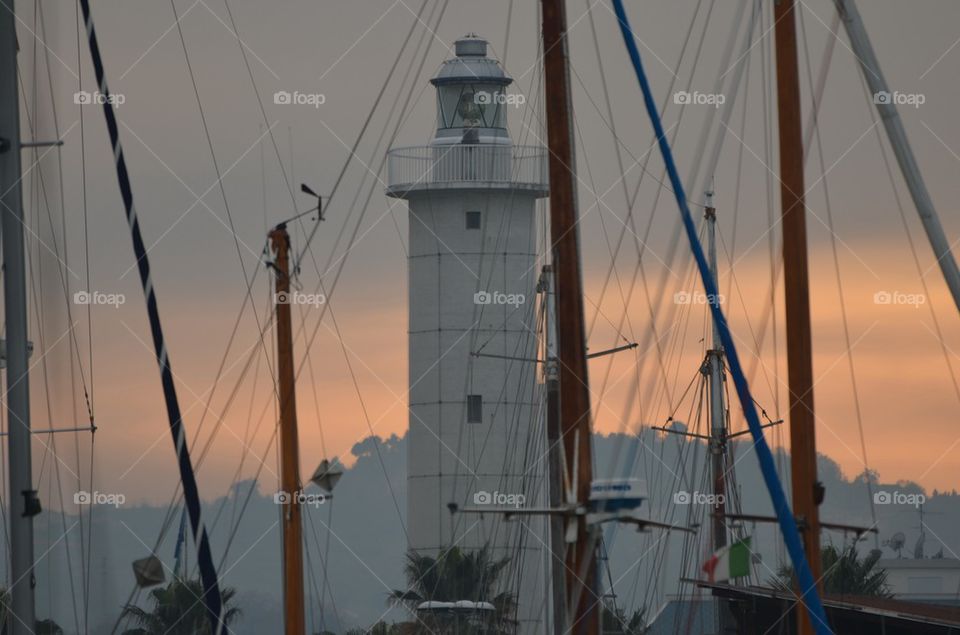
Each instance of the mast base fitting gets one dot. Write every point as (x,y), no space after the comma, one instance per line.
(31,503)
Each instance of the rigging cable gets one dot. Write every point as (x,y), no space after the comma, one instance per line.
(38,194)
(251,280)
(41,186)
(363,129)
(818,98)
(341,262)
(515,372)
(776,262)
(913,250)
(85,548)
(739,68)
(327,305)
(211,597)
(226,204)
(649,334)
(788,525)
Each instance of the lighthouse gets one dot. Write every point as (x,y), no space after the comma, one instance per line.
(476,433)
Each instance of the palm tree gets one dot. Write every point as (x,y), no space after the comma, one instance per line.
(178,609)
(614,621)
(47,627)
(845,573)
(452,576)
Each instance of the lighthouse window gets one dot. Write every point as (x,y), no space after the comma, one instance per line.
(473,220)
(474,408)
(471,106)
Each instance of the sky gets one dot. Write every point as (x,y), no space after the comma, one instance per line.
(206,242)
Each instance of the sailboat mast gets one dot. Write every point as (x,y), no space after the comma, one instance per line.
(806,489)
(289,446)
(22,495)
(571,345)
(555,487)
(718,415)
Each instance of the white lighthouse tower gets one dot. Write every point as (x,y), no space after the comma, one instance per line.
(476,432)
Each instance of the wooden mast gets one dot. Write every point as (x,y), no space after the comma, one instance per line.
(289,447)
(806,489)
(581,576)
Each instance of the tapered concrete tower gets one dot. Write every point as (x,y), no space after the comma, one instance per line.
(476,435)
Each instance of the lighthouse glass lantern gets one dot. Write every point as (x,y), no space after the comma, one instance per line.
(470,105)
(471,96)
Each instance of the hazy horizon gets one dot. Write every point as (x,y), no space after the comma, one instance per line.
(283,91)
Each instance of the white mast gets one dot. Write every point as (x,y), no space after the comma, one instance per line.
(718,414)
(22,497)
(863,51)
(715,371)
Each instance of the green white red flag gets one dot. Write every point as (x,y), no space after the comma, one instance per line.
(732,561)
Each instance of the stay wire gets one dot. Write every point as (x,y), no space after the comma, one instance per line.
(363,129)
(88,556)
(817,97)
(40,198)
(787,522)
(868,97)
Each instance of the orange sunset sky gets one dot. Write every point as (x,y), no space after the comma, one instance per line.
(908,399)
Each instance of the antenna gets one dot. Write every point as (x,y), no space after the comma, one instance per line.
(896,542)
(306,189)
(918,547)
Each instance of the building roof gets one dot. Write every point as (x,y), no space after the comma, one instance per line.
(919,563)
(848,613)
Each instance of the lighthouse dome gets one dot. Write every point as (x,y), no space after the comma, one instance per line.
(471,64)
(471,97)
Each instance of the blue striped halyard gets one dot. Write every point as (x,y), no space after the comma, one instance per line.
(208,574)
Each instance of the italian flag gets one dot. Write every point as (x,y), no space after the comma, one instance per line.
(732,561)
